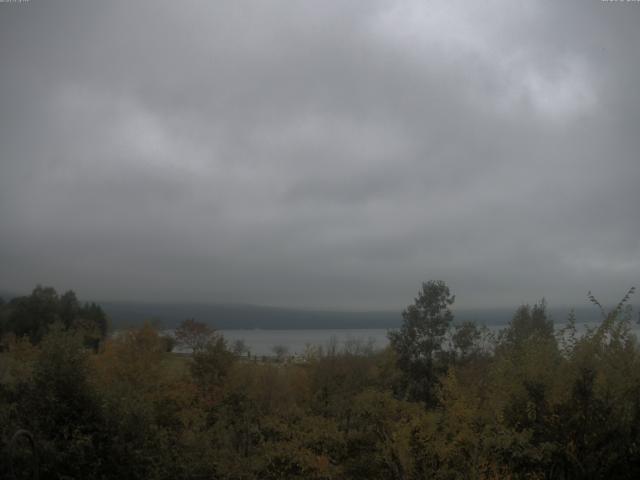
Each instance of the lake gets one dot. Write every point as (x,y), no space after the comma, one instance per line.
(261,342)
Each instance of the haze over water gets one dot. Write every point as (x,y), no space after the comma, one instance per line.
(262,342)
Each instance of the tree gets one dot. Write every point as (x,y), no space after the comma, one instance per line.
(61,409)
(92,318)
(32,315)
(4,315)
(211,363)
(280,351)
(529,322)
(240,348)
(466,340)
(193,335)
(69,307)
(418,343)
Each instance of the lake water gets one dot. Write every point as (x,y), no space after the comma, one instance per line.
(262,342)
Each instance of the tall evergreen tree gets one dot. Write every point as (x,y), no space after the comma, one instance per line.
(419,341)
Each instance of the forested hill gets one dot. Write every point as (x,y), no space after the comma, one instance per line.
(221,316)
(245,316)
(238,316)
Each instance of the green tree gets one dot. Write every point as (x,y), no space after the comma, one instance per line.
(68,308)
(466,341)
(92,315)
(32,315)
(419,341)
(529,324)
(4,315)
(211,363)
(61,407)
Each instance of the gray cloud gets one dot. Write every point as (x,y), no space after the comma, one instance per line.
(330,154)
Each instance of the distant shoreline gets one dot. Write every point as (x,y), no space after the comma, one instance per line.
(251,317)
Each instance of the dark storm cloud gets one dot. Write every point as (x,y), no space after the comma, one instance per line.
(319,153)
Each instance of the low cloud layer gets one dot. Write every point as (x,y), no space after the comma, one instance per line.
(320,154)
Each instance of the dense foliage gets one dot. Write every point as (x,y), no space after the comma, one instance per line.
(444,401)
(33,315)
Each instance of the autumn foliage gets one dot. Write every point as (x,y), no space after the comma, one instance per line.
(444,401)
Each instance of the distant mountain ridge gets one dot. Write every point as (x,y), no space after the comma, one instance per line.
(124,314)
(241,316)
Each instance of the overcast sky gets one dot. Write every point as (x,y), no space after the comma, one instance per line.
(321,154)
